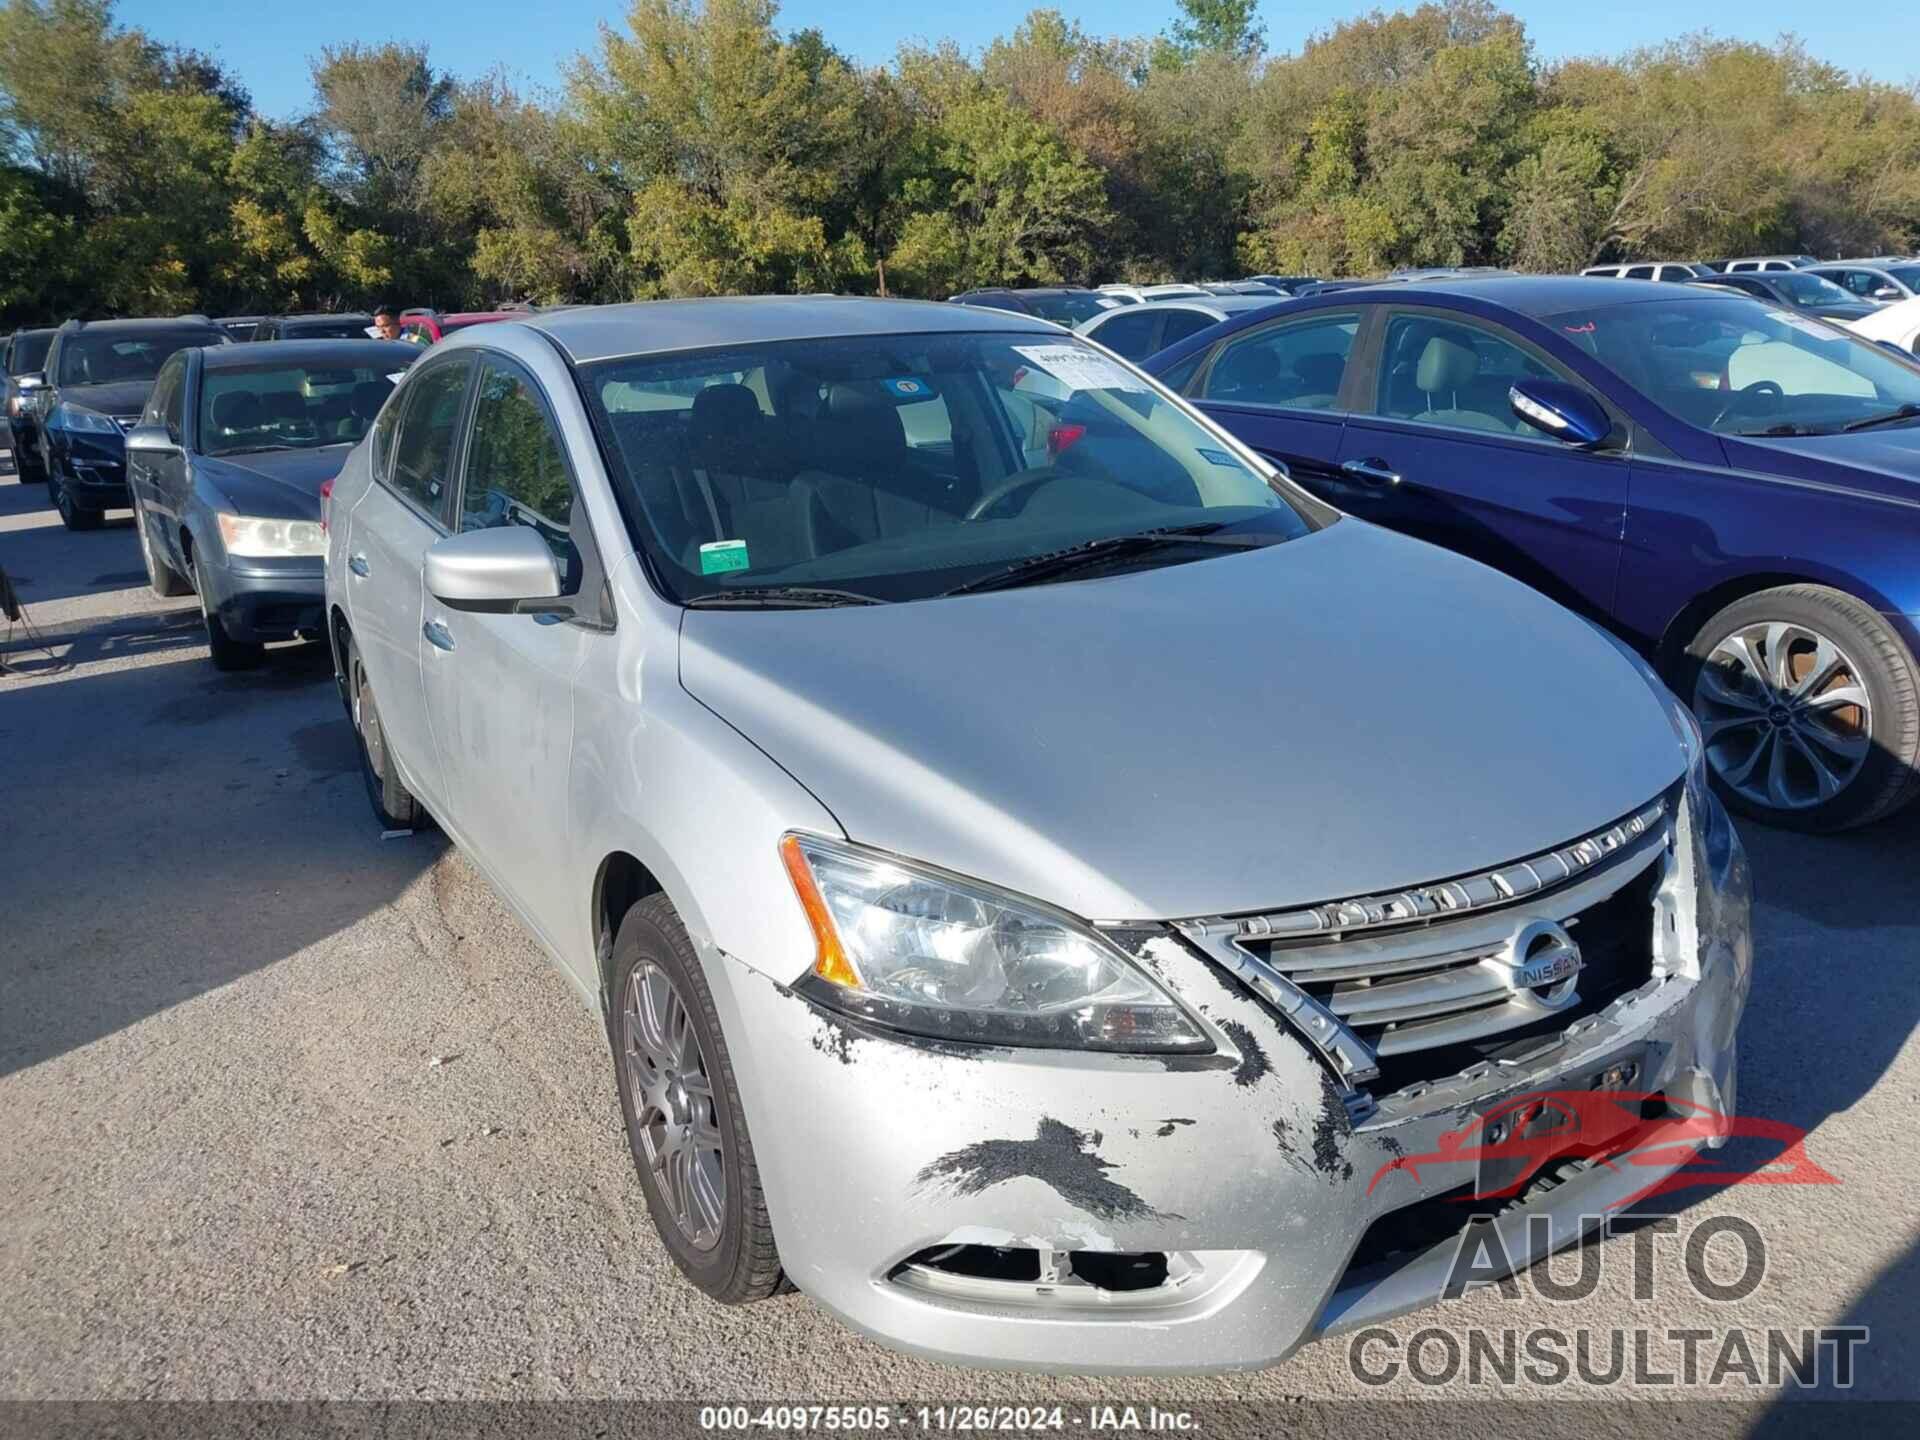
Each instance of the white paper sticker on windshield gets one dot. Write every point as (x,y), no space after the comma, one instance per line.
(1079,369)
(1806,324)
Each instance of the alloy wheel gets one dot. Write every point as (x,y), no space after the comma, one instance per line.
(674,1112)
(1786,715)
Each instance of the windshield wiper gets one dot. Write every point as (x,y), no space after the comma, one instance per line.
(1909,411)
(781,597)
(1781,431)
(1107,547)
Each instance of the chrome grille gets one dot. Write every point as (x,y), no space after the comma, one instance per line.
(1388,976)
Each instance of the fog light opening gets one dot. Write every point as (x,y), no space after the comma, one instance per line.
(1120,1270)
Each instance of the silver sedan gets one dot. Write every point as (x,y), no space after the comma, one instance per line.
(1044,875)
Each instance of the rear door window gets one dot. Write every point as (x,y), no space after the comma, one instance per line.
(1135,334)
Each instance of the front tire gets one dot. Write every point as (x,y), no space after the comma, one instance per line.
(162,578)
(685,1122)
(73,514)
(1810,704)
(393,804)
(27,468)
(227,653)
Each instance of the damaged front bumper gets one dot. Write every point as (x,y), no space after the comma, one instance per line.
(1028,1209)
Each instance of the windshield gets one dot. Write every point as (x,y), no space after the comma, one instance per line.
(1742,367)
(900,466)
(289,406)
(30,353)
(1068,310)
(1810,289)
(124,357)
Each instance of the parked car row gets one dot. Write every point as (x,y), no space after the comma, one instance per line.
(940,750)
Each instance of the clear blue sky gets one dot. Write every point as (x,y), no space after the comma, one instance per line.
(268,42)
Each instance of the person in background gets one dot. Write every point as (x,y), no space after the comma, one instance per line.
(388,324)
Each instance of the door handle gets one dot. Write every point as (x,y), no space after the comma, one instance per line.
(358,565)
(1372,470)
(437,635)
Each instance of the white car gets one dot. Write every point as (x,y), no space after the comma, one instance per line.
(1897,324)
(1142,330)
(1671,270)
(1882,282)
(1139,293)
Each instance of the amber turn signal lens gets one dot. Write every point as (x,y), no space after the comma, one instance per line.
(830,960)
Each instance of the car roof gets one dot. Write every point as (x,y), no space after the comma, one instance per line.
(659,327)
(397,353)
(147,322)
(325,315)
(34,332)
(1528,294)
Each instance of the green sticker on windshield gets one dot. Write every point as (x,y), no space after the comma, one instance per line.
(722,556)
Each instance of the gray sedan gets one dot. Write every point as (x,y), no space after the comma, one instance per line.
(227,470)
(1050,897)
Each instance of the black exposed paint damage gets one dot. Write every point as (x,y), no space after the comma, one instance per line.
(1253,1060)
(1283,1137)
(1059,1157)
(1167,1125)
(835,1039)
(1331,1126)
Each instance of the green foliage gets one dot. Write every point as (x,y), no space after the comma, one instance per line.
(702,150)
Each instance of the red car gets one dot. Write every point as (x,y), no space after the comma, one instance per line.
(430,327)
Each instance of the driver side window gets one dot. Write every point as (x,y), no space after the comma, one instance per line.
(516,469)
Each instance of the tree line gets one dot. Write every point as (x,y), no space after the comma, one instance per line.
(704,150)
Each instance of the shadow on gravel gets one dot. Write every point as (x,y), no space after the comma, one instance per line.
(167,829)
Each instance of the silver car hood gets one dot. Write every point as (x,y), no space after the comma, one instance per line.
(1345,713)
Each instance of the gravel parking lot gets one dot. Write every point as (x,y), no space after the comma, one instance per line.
(293,1112)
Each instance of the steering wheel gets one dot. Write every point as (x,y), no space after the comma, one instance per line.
(1746,393)
(1024,480)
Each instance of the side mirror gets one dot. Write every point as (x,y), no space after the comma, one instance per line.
(1566,412)
(1886,292)
(501,571)
(32,380)
(151,440)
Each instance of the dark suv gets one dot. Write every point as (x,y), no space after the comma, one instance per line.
(24,359)
(352,326)
(98,378)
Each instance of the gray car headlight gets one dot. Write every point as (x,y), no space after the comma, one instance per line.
(254,537)
(919,950)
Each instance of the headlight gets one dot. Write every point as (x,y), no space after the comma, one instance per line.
(72,417)
(247,535)
(919,950)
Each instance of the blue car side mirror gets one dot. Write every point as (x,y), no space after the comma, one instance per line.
(1566,412)
(1902,351)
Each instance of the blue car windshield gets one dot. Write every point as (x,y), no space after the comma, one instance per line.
(1742,367)
(901,466)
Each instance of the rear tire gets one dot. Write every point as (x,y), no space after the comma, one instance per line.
(685,1122)
(1810,704)
(393,804)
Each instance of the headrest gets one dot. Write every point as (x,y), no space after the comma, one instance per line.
(1446,365)
(1319,372)
(1245,367)
(726,430)
(857,429)
(722,412)
(238,410)
(367,398)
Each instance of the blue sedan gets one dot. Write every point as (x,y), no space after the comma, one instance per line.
(1727,484)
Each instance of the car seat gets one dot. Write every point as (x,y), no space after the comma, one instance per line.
(1446,369)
